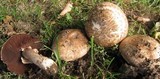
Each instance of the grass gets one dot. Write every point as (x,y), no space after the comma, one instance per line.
(92,50)
(41,14)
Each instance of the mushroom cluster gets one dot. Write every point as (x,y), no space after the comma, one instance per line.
(23,49)
(108,25)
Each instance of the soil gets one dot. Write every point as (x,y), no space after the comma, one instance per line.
(148,70)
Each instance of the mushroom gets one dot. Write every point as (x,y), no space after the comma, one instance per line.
(25,47)
(138,49)
(71,45)
(107,23)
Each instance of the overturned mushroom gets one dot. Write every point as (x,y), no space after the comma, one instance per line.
(71,45)
(137,49)
(25,47)
(107,23)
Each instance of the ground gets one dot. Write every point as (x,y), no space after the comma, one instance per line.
(39,18)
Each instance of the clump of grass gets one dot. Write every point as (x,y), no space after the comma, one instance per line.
(137,28)
(9,75)
(101,61)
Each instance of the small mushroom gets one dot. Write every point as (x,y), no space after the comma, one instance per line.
(137,49)
(107,23)
(71,45)
(23,46)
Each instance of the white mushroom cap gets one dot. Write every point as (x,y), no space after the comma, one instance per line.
(71,44)
(107,23)
(137,49)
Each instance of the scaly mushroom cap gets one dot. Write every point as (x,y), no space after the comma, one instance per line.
(137,49)
(71,45)
(11,51)
(107,23)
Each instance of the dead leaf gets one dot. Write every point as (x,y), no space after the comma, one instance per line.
(144,20)
(127,1)
(7,19)
(9,30)
(7,26)
(66,10)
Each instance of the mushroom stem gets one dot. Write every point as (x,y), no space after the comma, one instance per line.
(44,63)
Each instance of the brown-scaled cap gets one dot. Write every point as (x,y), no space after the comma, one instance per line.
(71,44)
(11,51)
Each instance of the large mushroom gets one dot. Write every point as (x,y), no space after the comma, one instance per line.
(71,45)
(107,23)
(21,49)
(138,49)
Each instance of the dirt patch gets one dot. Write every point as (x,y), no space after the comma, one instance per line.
(148,70)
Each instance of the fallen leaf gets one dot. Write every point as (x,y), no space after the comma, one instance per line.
(144,20)
(7,26)
(7,19)
(67,8)
(127,1)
